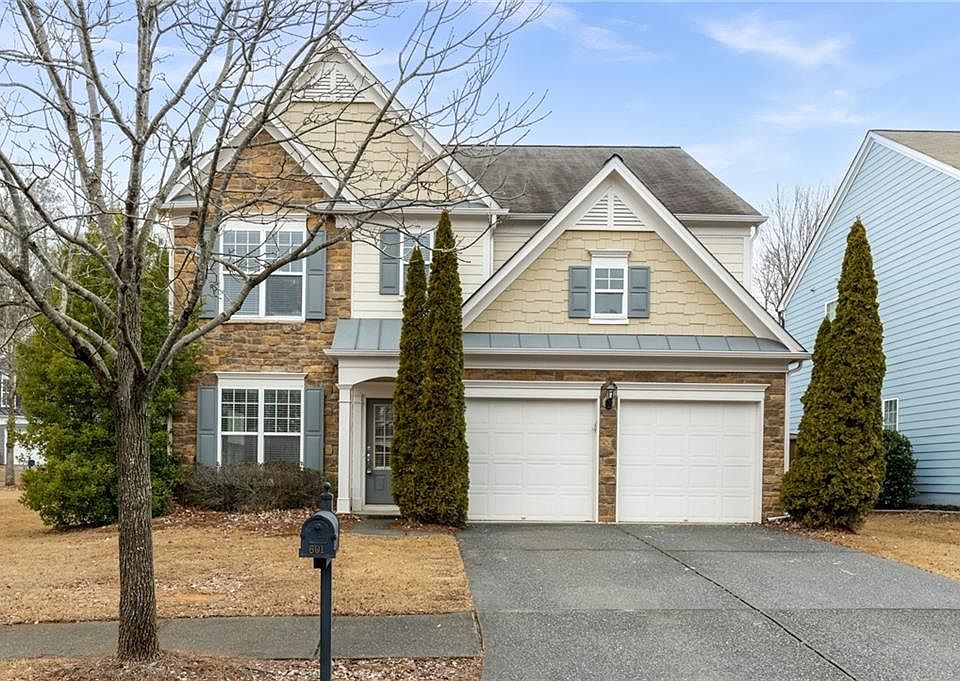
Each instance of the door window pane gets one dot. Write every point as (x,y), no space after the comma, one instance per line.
(382,434)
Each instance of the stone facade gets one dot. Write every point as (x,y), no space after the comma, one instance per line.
(268,346)
(773,420)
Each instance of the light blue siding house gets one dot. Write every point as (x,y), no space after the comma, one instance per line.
(905,187)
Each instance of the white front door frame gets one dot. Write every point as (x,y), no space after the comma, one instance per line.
(698,392)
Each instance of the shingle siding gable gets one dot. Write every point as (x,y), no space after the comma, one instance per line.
(912,215)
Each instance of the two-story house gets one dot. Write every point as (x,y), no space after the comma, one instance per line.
(616,367)
(905,187)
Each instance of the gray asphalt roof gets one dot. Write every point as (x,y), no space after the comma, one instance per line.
(541,179)
(383,335)
(943,145)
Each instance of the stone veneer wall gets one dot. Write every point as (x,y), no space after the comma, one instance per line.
(265,346)
(773,420)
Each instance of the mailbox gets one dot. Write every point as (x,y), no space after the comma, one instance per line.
(320,536)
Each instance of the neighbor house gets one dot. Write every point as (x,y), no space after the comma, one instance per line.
(617,369)
(20,454)
(905,187)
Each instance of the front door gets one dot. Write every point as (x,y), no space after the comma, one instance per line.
(379,439)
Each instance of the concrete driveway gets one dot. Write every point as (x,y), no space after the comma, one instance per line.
(646,602)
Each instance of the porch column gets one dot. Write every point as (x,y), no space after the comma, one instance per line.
(345,426)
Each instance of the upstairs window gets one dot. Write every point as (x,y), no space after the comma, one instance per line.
(608,274)
(425,242)
(249,250)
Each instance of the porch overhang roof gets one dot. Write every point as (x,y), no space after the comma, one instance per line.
(381,337)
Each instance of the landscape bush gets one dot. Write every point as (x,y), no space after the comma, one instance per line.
(251,487)
(898,484)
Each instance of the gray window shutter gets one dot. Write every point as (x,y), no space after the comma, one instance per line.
(317,280)
(209,297)
(313,429)
(390,240)
(638,295)
(579,284)
(207,426)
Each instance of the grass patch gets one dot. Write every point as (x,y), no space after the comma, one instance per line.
(183,667)
(930,541)
(222,565)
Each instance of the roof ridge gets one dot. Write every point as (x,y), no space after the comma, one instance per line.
(882,130)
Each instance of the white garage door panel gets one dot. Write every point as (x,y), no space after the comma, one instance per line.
(688,461)
(531,459)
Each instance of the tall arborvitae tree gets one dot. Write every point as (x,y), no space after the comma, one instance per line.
(441,471)
(845,472)
(799,483)
(406,393)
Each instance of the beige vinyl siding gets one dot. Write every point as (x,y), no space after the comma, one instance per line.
(365,269)
(335,132)
(508,238)
(680,303)
(728,250)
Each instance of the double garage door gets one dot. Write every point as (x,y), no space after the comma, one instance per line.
(678,461)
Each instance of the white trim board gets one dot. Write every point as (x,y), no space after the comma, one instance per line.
(693,392)
(533,390)
(678,237)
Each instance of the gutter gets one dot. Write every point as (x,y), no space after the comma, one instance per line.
(599,352)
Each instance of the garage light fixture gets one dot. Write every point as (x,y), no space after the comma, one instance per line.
(609,394)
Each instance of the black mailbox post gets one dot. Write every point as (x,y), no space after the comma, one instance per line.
(320,540)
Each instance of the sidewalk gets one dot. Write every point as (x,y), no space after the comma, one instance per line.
(452,635)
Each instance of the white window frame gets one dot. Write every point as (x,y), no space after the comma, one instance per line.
(896,402)
(267,230)
(260,384)
(826,309)
(424,239)
(4,387)
(608,260)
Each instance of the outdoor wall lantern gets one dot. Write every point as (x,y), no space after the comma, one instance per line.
(609,394)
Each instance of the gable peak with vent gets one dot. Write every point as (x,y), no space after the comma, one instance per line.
(610,211)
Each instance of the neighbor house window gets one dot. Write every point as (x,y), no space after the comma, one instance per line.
(261,424)
(410,241)
(250,249)
(4,390)
(830,310)
(608,274)
(891,414)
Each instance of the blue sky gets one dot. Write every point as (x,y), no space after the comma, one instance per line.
(760,94)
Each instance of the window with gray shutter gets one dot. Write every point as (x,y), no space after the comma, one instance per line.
(639,293)
(578,283)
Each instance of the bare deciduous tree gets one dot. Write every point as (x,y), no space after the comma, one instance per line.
(783,239)
(135,111)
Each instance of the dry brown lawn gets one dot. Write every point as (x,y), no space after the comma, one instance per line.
(222,566)
(927,540)
(182,667)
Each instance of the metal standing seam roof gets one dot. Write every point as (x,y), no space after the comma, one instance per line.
(542,178)
(383,335)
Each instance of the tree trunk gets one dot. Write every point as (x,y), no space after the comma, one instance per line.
(9,478)
(138,602)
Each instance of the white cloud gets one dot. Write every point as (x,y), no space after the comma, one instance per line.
(812,116)
(779,39)
(598,41)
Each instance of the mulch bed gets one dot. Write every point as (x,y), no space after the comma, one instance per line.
(273,523)
(184,667)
